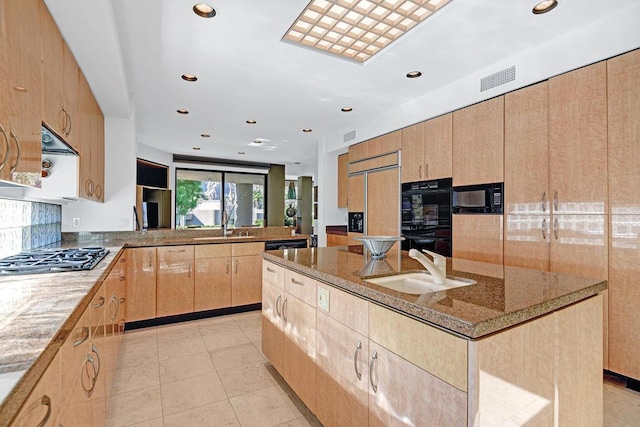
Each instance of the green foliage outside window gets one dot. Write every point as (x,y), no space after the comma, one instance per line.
(188,195)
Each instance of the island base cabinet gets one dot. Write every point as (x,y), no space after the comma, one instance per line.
(272,324)
(401,394)
(342,374)
(300,349)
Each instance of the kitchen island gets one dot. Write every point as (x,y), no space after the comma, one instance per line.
(517,346)
(40,313)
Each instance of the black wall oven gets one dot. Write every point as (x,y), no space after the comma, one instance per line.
(426,215)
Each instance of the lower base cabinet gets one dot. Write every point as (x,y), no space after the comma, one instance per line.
(368,368)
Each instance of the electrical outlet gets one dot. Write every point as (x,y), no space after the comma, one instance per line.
(76,222)
(323,299)
(123,221)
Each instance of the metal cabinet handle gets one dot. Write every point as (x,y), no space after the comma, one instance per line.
(122,300)
(46,401)
(122,260)
(85,368)
(62,120)
(89,187)
(284,309)
(555,228)
(6,146)
(426,170)
(13,136)
(355,359)
(189,274)
(544,229)
(278,305)
(85,336)
(270,270)
(236,265)
(94,350)
(122,278)
(544,201)
(374,357)
(555,201)
(114,302)
(98,191)
(67,131)
(101,302)
(420,171)
(297,282)
(227,266)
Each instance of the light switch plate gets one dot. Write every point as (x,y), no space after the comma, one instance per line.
(323,299)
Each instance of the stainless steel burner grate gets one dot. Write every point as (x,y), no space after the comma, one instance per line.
(52,260)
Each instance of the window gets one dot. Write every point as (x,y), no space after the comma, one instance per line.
(207,198)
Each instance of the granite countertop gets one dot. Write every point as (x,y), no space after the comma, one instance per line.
(501,297)
(39,311)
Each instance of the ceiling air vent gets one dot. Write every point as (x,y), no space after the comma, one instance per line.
(496,79)
(349,136)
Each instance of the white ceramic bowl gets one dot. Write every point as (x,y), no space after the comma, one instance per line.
(378,246)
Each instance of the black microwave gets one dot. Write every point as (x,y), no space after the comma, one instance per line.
(478,199)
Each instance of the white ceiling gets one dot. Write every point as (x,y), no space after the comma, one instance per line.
(134,52)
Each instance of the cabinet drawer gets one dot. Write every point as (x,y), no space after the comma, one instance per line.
(272,273)
(244,249)
(74,351)
(302,287)
(213,251)
(173,253)
(347,309)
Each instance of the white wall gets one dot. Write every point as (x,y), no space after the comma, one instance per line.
(116,213)
(603,39)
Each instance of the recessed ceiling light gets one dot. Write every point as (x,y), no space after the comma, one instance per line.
(257,141)
(306,130)
(189,77)
(346,109)
(251,122)
(240,152)
(413,74)
(544,7)
(358,30)
(205,135)
(204,10)
(196,148)
(296,163)
(181,111)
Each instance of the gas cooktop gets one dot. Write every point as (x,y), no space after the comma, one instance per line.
(52,260)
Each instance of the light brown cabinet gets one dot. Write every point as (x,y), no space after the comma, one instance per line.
(212,277)
(383,201)
(45,401)
(478,143)
(141,292)
(427,150)
(91,164)
(358,151)
(246,285)
(20,90)
(175,280)
(272,320)
(578,141)
(383,144)
(343,180)
(356,193)
(478,238)
(337,240)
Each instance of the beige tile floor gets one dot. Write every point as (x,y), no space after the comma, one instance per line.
(211,372)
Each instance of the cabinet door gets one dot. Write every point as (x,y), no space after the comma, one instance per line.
(478,143)
(212,283)
(247,281)
(97,155)
(300,349)
(52,60)
(386,143)
(341,375)
(383,203)
(356,193)
(413,147)
(478,238)
(579,245)
(175,282)
(526,241)
(20,37)
(343,176)
(526,150)
(578,140)
(86,186)
(44,402)
(273,324)
(624,295)
(358,151)
(438,147)
(396,383)
(71,97)
(141,292)
(623,95)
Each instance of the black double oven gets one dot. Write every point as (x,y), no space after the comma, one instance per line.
(426,215)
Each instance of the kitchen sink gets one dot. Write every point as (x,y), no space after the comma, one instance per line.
(222,237)
(417,283)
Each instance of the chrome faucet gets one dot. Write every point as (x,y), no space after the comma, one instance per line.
(437,267)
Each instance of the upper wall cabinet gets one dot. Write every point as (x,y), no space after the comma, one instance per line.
(427,150)
(343,180)
(478,142)
(20,90)
(578,140)
(383,144)
(623,88)
(91,167)
(358,151)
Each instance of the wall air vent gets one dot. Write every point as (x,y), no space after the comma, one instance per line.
(349,136)
(496,79)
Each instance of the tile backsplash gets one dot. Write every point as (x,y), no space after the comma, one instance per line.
(28,225)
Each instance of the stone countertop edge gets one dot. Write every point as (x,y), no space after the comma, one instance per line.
(464,328)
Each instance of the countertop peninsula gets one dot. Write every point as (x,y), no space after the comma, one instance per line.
(502,296)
